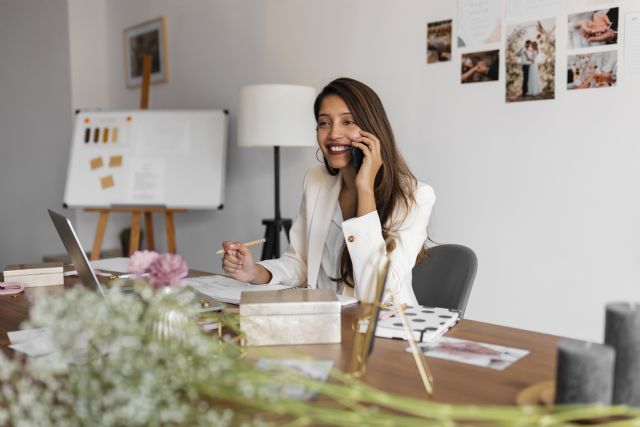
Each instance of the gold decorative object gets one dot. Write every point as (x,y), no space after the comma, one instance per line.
(365,326)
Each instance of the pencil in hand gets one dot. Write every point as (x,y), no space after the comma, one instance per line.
(247,244)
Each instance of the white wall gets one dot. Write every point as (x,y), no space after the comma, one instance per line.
(35,107)
(544,191)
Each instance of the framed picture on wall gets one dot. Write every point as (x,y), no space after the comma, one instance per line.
(146,38)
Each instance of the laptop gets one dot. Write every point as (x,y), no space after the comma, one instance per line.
(76,252)
(85,271)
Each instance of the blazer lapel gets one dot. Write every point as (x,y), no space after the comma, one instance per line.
(325,206)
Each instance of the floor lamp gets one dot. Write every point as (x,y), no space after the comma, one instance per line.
(276,116)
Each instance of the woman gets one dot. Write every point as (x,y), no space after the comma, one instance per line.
(346,215)
(534,84)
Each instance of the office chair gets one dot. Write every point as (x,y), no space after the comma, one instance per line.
(445,278)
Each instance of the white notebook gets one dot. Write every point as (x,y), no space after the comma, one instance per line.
(427,323)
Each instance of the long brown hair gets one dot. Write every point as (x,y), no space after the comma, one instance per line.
(394,183)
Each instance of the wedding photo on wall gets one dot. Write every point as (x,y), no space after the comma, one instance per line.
(438,41)
(592,70)
(530,61)
(480,67)
(594,28)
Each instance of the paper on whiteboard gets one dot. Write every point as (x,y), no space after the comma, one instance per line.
(164,137)
(146,184)
(225,289)
(632,43)
(479,22)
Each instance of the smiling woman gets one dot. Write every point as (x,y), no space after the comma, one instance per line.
(349,211)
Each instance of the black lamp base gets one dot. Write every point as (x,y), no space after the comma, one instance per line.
(271,248)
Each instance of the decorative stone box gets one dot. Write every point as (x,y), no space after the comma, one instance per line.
(291,316)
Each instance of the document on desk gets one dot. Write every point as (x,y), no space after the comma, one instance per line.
(293,369)
(32,342)
(226,289)
(115,265)
(39,342)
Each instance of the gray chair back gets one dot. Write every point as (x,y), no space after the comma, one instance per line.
(445,278)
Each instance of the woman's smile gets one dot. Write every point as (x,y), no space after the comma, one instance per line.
(338,149)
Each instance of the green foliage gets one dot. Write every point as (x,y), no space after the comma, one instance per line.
(141,360)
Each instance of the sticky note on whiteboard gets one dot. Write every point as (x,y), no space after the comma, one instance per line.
(96,163)
(115,161)
(106,182)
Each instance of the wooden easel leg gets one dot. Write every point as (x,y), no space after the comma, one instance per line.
(97,241)
(148,224)
(171,232)
(146,79)
(134,242)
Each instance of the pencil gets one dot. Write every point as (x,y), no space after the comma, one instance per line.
(251,243)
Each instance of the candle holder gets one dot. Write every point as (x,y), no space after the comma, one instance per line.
(622,332)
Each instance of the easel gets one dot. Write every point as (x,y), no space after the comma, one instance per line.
(137,211)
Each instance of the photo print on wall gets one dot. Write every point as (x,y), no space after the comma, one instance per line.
(592,70)
(439,41)
(531,61)
(479,67)
(594,28)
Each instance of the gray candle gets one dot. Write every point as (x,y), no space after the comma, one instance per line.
(622,332)
(585,372)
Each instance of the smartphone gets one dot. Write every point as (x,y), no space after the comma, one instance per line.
(358,155)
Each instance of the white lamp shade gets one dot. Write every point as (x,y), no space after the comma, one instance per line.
(276,115)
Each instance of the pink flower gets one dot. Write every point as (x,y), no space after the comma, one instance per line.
(140,261)
(167,270)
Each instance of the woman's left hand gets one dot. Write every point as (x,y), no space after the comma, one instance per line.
(371,163)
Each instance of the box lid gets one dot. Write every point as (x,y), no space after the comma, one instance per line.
(33,268)
(289,301)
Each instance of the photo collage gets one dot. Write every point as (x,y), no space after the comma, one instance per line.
(529,45)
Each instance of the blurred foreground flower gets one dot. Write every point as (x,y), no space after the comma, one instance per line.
(163,269)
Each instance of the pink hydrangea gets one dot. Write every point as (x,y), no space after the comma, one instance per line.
(167,270)
(140,261)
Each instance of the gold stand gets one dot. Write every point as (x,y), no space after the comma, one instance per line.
(364,329)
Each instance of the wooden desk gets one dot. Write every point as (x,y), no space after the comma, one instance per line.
(390,368)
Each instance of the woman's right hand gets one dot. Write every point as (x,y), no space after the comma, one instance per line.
(238,262)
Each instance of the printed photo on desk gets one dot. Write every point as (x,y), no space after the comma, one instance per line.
(473,353)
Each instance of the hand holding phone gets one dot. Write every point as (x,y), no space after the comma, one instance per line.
(358,155)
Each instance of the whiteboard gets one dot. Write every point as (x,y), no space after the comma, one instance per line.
(171,158)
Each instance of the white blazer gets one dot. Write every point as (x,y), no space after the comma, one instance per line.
(300,263)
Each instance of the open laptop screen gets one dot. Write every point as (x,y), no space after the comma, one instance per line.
(74,249)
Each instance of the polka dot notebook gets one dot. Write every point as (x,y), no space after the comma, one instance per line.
(427,323)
